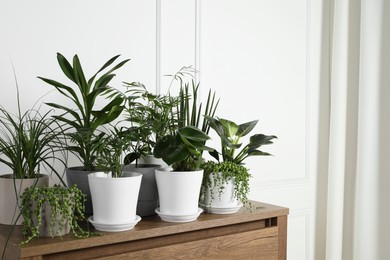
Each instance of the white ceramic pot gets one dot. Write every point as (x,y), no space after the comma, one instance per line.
(114,199)
(214,197)
(179,191)
(9,209)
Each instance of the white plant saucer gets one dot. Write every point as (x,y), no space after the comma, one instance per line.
(117,227)
(222,210)
(179,218)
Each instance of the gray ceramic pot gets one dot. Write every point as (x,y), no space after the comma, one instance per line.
(148,194)
(78,176)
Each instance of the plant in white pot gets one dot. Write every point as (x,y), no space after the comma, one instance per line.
(182,149)
(82,117)
(114,191)
(179,188)
(52,211)
(29,145)
(147,118)
(225,185)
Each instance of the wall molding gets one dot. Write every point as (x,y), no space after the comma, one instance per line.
(158,46)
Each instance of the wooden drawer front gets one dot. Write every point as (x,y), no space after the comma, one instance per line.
(257,244)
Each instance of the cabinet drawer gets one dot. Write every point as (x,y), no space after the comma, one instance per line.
(256,244)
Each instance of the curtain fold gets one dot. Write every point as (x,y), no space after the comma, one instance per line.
(359,129)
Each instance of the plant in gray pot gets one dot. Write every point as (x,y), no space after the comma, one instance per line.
(148,117)
(52,211)
(83,118)
(29,144)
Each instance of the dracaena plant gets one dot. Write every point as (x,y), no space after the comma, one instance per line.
(84,118)
(231,133)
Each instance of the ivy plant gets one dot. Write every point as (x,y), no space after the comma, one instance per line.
(231,165)
(217,175)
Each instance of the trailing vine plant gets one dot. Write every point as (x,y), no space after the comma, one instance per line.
(67,208)
(221,173)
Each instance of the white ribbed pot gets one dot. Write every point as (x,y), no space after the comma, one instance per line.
(9,209)
(114,200)
(179,191)
(217,197)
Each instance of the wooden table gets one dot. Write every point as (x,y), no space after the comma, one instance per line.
(259,233)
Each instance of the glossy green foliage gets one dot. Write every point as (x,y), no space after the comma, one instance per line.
(231,133)
(83,118)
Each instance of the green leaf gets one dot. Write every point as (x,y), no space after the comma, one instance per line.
(170,150)
(193,133)
(230,127)
(258,153)
(66,67)
(79,76)
(258,140)
(245,128)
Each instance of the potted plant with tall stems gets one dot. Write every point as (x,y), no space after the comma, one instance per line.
(114,191)
(30,143)
(147,117)
(182,149)
(225,185)
(84,118)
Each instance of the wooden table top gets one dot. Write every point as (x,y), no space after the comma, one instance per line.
(148,227)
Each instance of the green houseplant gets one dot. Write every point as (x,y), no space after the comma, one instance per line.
(30,143)
(114,191)
(226,184)
(147,117)
(84,118)
(52,211)
(182,149)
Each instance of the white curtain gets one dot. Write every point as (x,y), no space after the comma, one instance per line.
(358,194)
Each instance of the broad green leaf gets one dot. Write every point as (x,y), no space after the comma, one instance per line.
(258,153)
(108,63)
(230,127)
(193,133)
(66,67)
(61,87)
(258,140)
(79,76)
(245,128)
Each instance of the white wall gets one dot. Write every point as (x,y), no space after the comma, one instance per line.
(261,56)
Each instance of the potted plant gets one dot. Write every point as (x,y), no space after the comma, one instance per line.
(182,149)
(114,191)
(52,211)
(29,145)
(148,118)
(84,119)
(225,185)
(179,189)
